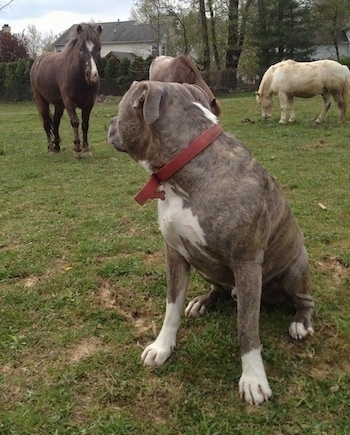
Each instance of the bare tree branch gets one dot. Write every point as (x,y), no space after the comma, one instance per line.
(3,6)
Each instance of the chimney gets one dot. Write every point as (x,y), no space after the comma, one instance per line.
(6,28)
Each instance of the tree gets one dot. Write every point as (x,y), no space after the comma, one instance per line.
(3,5)
(12,47)
(213,34)
(33,40)
(238,12)
(151,12)
(205,36)
(47,42)
(333,17)
(282,30)
(37,42)
(111,69)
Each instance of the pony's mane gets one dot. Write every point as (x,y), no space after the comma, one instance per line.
(88,32)
(266,81)
(265,84)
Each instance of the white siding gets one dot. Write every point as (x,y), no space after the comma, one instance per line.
(139,49)
(324,51)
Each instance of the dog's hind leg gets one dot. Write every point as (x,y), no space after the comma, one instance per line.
(178,270)
(295,282)
(201,304)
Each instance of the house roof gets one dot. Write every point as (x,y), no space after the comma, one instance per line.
(322,38)
(120,55)
(118,31)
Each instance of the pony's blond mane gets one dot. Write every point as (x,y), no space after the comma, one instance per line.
(265,84)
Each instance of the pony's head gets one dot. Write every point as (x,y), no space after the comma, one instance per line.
(266,103)
(86,42)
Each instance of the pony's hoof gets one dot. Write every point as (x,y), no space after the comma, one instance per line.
(51,149)
(78,154)
(87,153)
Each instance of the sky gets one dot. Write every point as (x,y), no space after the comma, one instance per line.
(56,16)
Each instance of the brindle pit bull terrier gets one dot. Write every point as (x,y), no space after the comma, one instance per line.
(221,213)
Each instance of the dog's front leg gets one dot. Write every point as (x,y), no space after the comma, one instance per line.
(253,385)
(177,280)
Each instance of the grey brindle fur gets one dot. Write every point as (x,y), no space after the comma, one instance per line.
(68,80)
(224,215)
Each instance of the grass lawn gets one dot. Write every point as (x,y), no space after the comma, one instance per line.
(82,289)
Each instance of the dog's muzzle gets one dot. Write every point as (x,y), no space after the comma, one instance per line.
(113,135)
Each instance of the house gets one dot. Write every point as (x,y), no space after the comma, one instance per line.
(324,49)
(125,39)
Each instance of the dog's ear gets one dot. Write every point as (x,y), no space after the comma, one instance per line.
(149,98)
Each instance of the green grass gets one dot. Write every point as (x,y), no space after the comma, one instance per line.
(82,290)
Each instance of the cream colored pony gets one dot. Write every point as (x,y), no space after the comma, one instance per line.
(291,79)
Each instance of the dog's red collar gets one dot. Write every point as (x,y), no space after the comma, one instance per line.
(150,190)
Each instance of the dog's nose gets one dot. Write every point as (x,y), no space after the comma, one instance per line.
(113,136)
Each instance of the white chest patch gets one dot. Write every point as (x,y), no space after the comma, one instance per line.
(179,224)
(145,165)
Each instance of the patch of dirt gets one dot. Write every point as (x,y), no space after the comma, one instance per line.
(155,258)
(84,349)
(335,267)
(322,371)
(30,281)
(7,246)
(101,98)
(58,266)
(108,298)
(332,361)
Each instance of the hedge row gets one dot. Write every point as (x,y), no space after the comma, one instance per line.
(116,77)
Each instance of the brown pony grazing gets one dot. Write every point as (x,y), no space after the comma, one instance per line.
(68,80)
(180,69)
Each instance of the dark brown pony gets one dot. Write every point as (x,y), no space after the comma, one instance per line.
(68,80)
(181,69)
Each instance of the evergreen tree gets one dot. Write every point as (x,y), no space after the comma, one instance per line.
(283,30)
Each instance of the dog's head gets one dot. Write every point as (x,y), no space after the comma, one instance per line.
(155,120)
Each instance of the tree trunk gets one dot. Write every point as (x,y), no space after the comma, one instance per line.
(264,50)
(233,51)
(205,36)
(213,34)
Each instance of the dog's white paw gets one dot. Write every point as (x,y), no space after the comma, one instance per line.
(254,390)
(253,386)
(156,354)
(195,308)
(298,331)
